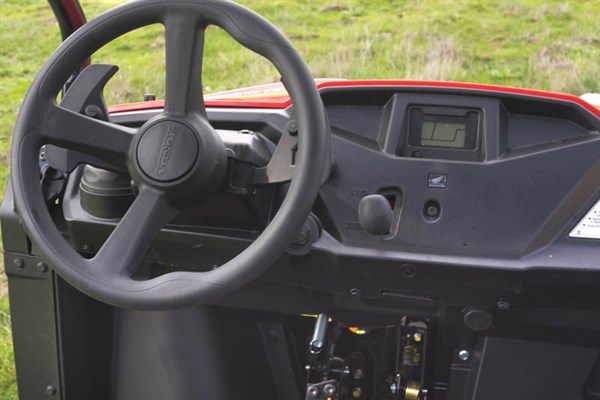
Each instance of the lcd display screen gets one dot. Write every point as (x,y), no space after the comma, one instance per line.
(443,128)
(443,134)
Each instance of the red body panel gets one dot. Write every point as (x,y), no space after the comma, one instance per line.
(74,13)
(274,95)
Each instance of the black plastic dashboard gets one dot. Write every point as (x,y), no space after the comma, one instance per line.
(532,175)
(505,209)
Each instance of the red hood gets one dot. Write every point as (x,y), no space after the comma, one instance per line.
(274,95)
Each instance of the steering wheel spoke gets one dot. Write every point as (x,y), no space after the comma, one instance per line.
(103,140)
(125,247)
(185,50)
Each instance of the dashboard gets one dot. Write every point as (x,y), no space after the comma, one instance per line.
(490,242)
(513,182)
(485,189)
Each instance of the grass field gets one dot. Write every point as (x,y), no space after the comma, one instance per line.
(552,45)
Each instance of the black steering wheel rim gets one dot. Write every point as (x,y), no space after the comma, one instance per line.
(38,117)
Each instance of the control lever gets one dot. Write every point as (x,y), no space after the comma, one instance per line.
(318,339)
(375,214)
(327,389)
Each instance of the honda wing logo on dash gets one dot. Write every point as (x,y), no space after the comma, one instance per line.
(165,150)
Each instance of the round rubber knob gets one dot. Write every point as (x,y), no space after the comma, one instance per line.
(375,214)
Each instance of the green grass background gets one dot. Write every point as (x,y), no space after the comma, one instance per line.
(551,45)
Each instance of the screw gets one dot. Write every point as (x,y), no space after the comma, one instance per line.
(355,292)
(358,373)
(432,211)
(357,392)
(502,305)
(19,263)
(50,390)
(292,127)
(329,389)
(42,266)
(464,355)
(86,248)
(312,391)
(408,270)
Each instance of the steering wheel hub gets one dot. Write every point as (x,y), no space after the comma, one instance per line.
(167,150)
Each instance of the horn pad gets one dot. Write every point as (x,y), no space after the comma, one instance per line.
(167,151)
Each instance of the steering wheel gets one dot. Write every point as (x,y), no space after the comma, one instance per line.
(175,159)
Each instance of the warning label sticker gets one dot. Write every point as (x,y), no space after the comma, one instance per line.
(589,226)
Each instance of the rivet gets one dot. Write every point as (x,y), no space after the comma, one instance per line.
(42,266)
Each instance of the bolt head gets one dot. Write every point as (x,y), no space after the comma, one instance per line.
(292,127)
(432,211)
(303,236)
(312,391)
(358,373)
(50,390)
(42,266)
(18,263)
(355,292)
(329,389)
(464,355)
